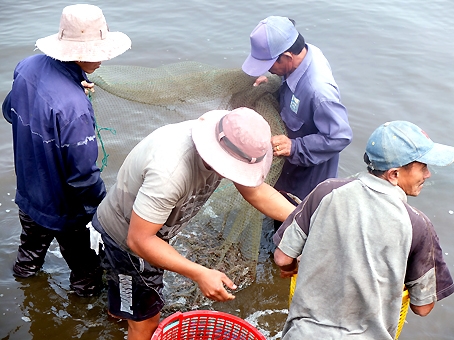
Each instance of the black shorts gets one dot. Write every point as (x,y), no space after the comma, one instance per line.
(134,286)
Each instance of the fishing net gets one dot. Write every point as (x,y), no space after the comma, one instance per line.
(130,102)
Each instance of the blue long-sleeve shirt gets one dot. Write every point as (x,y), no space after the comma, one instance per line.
(55,148)
(315,121)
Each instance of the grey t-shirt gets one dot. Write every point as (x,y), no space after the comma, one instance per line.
(163,179)
(359,242)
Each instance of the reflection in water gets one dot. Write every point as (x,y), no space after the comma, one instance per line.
(53,312)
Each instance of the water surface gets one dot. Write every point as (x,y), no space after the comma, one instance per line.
(392,60)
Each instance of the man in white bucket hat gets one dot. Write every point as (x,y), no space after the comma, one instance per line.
(162,184)
(55,149)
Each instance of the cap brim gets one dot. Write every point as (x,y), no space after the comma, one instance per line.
(439,155)
(115,44)
(208,147)
(255,67)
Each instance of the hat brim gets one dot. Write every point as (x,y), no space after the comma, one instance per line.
(439,155)
(113,45)
(208,147)
(256,67)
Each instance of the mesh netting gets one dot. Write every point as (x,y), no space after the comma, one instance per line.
(130,102)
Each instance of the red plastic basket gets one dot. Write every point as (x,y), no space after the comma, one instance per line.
(204,324)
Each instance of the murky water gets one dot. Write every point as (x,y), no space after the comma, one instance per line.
(392,60)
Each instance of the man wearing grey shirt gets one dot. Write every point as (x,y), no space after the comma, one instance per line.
(162,184)
(359,242)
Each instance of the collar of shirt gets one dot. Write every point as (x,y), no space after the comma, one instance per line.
(381,185)
(72,70)
(296,75)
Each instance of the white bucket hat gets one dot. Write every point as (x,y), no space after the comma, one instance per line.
(84,36)
(236,144)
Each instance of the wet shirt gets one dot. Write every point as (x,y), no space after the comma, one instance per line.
(55,148)
(163,179)
(317,123)
(360,242)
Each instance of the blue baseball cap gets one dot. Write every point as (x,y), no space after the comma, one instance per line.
(269,39)
(398,143)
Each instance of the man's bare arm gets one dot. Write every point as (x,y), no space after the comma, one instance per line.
(287,264)
(423,310)
(267,200)
(144,242)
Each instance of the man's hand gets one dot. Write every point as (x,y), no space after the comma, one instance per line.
(211,282)
(288,265)
(288,273)
(282,145)
(144,242)
(260,80)
(88,87)
(290,269)
(423,310)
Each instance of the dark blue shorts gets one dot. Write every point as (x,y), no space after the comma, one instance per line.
(134,286)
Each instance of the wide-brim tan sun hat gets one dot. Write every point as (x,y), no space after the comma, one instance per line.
(84,36)
(236,144)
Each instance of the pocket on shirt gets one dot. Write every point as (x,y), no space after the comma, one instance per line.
(291,119)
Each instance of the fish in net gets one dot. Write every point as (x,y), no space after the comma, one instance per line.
(130,102)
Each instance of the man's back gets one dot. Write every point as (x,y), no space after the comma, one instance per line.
(54,142)
(353,263)
(165,190)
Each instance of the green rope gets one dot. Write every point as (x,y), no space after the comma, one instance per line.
(98,133)
(105,154)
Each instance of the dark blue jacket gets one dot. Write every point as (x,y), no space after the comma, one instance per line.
(55,148)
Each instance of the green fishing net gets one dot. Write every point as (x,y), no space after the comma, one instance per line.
(130,102)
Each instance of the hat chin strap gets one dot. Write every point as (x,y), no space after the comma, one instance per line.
(232,149)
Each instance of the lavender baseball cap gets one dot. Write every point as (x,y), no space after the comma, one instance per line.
(398,143)
(270,38)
